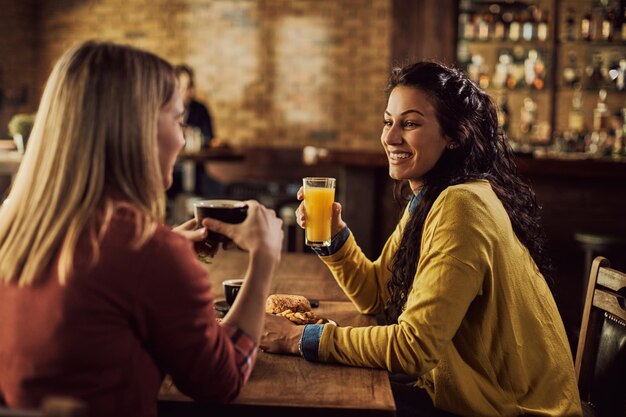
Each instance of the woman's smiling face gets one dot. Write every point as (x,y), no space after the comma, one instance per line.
(412,136)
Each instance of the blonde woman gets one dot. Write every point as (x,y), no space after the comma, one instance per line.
(97,298)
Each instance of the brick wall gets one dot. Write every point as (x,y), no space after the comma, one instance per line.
(275,72)
(19,85)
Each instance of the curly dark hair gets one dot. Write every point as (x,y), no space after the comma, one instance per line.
(467,115)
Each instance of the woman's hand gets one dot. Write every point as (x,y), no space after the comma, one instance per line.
(280,335)
(261,234)
(190,231)
(260,231)
(336,225)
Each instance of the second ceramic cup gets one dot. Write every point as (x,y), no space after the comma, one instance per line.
(231,289)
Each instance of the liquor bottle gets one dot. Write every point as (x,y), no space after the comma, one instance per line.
(529,67)
(601,113)
(576,116)
(476,68)
(595,72)
(507,18)
(571,72)
(502,69)
(620,77)
(586,27)
(469,27)
(515,28)
(503,113)
(576,124)
(606,26)
(528,117)
(542,26)
(528,25)
(483,27)
(570,26)
(499,30)
(540,74)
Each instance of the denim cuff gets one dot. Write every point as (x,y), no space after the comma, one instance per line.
(310,342)
(335,243)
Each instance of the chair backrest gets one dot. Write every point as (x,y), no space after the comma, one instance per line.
(601,353)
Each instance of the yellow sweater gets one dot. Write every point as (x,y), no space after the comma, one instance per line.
(480,331)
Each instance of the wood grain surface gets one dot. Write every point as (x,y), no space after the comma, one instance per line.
(299,273)
(282,385)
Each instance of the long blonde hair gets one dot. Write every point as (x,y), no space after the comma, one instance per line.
(93,144)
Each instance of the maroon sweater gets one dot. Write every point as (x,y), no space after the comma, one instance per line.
(111,333)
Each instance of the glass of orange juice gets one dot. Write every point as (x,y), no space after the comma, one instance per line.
(319,194)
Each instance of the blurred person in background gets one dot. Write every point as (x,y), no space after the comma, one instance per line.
(198,128)
(472,328)
(98,299)
(196,113)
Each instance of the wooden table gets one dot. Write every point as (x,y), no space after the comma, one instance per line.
(284,385)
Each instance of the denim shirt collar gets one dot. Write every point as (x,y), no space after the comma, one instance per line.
(415,200)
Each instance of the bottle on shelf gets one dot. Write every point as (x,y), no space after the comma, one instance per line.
(574,136)
(528,119)
(499,29)
(469,26)
(540,74)
(534,70)
(483,24)
(503,113)
(587,26)
(528,24)
(507,19)
(601,113)
(570,26)
(607,24)
(571,72)
(501,71)
(542,25)
(576,116)
(478,71)
(596,77)
(515,28)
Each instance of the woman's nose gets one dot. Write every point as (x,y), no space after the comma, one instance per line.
(392,136)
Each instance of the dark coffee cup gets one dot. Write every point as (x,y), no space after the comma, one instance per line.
(231,289)
(228,211)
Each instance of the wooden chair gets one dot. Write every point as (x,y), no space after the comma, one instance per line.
(601,353)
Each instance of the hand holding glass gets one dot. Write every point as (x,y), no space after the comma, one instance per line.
(319,195)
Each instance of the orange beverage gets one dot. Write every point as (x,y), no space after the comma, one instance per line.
(319,194)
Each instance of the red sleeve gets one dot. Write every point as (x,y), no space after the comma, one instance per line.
(207,362)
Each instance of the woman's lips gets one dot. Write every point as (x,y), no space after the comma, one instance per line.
(397,157)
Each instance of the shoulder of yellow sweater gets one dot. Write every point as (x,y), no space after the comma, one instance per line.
(469,203)
(469,193)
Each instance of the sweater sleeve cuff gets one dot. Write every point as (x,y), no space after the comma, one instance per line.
(336,243)
(310,342)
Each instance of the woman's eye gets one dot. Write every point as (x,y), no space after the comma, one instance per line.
(410,124)
(387,123)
